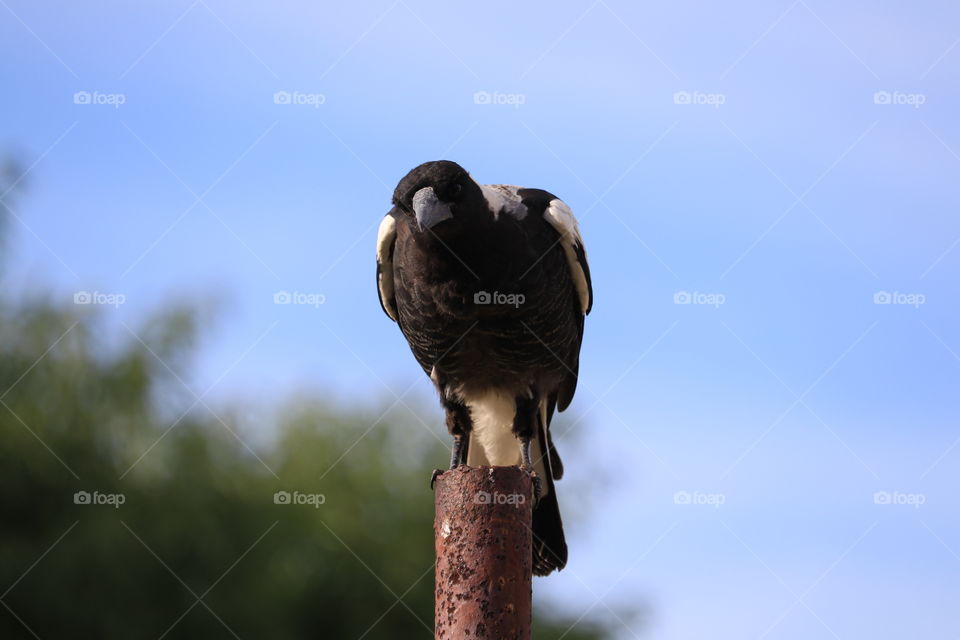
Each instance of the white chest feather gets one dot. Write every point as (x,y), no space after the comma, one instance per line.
(492,442)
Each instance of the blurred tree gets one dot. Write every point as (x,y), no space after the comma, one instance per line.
(199,548)
(129,513)
(10,178)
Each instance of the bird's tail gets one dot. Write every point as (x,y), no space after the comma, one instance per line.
(549,543)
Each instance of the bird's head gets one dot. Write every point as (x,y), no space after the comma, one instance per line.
(435,192)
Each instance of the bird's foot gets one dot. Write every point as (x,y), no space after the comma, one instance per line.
(439,472)
(457,458)
(537,484)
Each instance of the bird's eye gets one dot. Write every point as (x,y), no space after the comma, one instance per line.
(455,189)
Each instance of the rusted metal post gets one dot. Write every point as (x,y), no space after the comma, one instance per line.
(483,545)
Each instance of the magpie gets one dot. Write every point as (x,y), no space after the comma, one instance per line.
(490,286)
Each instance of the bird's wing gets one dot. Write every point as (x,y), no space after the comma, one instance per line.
(558,215)
(518,201)
(386,237)
(561,218)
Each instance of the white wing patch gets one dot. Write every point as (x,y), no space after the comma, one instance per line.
(385,237)
(561,218)
(504,198)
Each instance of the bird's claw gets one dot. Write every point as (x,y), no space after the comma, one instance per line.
(439,472)
(537,484)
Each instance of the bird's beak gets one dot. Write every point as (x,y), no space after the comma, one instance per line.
(428,208)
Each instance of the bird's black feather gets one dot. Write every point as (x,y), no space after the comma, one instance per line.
(444,273)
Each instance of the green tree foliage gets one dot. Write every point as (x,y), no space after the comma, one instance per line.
(199,548)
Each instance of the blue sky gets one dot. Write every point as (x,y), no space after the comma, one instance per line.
(740,153)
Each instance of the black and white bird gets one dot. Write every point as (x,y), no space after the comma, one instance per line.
(490,286)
